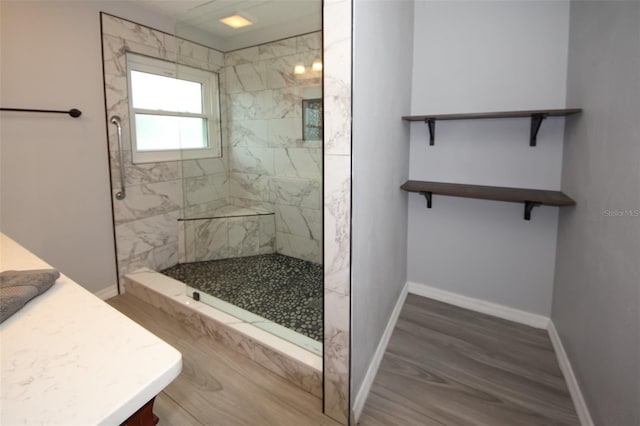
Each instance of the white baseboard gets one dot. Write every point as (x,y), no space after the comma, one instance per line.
(372,371)
(107,292)
(478,305)
(570,377)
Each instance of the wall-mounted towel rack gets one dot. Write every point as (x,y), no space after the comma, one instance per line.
(73,112)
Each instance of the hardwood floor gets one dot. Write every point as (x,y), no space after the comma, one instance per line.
(217,386)
(450,366)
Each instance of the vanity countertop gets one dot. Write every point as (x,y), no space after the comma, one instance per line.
(68,358)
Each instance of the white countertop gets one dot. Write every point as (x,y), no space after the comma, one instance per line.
(67,358)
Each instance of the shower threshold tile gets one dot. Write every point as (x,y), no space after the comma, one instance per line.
(176,291)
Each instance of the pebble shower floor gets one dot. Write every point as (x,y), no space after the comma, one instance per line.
(280,288)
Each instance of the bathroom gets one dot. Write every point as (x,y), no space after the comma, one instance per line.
(573,267)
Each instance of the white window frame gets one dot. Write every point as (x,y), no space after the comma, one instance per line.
(210,108)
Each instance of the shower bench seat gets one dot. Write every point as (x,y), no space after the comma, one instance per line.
(226,232)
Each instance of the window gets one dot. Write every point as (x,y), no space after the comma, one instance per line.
(173,109)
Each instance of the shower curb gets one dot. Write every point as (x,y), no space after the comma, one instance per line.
(293,370)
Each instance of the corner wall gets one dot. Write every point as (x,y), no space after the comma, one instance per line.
(482,57)
(596,296)
(336,37)
(382,94)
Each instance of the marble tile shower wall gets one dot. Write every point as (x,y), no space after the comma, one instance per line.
(146,220)
(337,25)
(225,237)
(271,167)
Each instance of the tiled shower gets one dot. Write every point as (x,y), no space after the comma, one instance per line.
(145,227)
(263,196)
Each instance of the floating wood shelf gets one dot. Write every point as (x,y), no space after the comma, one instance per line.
(530,197)
(536,119)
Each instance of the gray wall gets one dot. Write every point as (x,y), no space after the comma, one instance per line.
(597,282)
(486,56)
(54,172)
(381,86)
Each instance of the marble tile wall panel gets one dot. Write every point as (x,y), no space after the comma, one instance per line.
(307,42)
(287,103)
(336,356)
(128,30)
(337,30)
(337,272)
(303,222)
(251,187)
(244,236)
(203,209)
(211,239)
(158,258)
(249,133)
(277,49)
(299,247)
(254,160)
(148,200)
(190,53)
(304,193)
(184,246)
(204,166)
(142,235)
(298,162)
(226,237)
(262,206)
(248,77)
(241,56)
(285,132)
(137,174)
(267,234)
(205,189)
(337,77)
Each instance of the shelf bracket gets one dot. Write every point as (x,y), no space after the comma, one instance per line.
(427,195)
(431,123)
(528,206)
(536,122)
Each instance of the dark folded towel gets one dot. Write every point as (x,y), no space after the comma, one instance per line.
(18,287)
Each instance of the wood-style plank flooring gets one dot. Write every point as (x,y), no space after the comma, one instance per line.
(217,386)
(450,366)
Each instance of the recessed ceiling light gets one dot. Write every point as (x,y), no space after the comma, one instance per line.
(236,21)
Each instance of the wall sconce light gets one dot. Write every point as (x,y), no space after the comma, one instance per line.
(299,68)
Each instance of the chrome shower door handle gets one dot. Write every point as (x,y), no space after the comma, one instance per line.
(116,120)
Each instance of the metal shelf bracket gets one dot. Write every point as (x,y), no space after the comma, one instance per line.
(427,195)
(431,123)
(528,206)
(536,122)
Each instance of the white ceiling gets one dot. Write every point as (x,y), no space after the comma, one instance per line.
(272,19)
